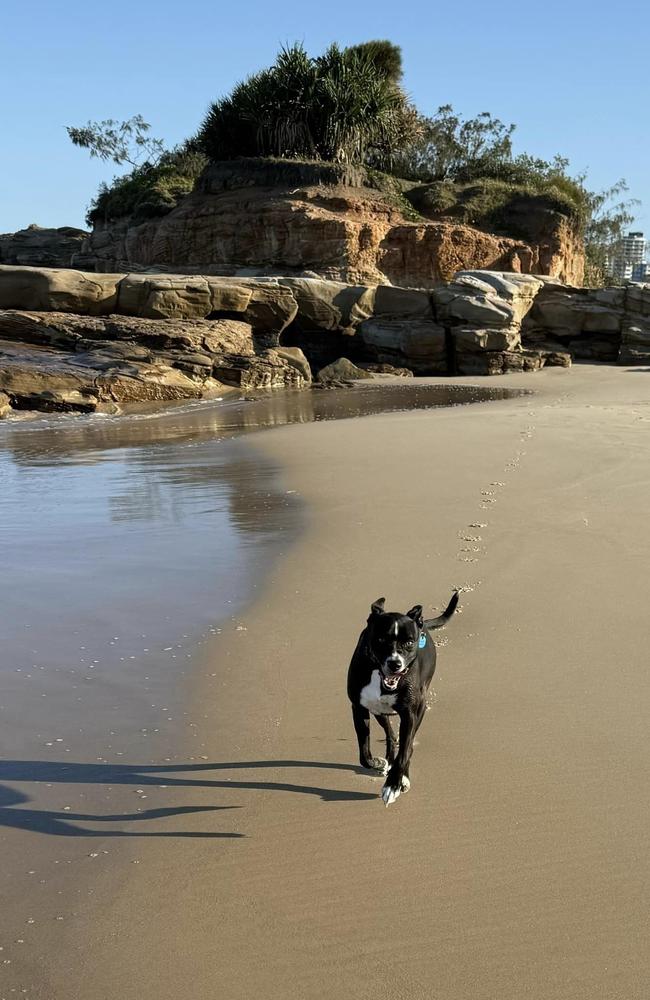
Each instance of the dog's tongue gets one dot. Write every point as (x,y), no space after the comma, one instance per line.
(391,682)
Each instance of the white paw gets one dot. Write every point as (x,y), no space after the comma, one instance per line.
(390,793)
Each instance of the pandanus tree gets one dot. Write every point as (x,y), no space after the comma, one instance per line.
(339,106)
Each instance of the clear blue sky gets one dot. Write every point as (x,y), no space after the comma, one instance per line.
(572,75)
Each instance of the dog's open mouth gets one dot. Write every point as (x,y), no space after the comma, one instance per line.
(391,682)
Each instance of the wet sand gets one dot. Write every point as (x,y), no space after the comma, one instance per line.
(518,864)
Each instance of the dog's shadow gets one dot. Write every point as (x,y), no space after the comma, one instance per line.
(12,802)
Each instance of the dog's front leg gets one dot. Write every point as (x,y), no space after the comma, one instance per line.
(397,780)
(361,719)
(391,742)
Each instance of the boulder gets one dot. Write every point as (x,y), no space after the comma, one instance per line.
(295,357)
(329,305)
(164,297)
(414,303)
(566,311)
(519,290)
(5,405)
(635,343)
(418,344)
(499,362)
(50,289)
(456,303)
(470,339)
(380,370)
(637,300)
(271,308)
(266,370)
(341,371)
(554,352)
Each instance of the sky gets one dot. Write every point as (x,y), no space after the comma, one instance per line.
(571,75)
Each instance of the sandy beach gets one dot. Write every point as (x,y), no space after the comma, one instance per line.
(517,866)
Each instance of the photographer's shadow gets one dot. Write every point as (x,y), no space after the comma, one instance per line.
(59,823)
(63,824)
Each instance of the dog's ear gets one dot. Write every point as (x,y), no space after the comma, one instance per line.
(416,614)
(377,607)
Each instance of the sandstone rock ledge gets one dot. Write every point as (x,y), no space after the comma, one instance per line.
(55,361)
(76,341)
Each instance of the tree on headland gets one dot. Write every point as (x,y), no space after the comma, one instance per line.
(122,142)
(158,178)
(448,147)
(340,106)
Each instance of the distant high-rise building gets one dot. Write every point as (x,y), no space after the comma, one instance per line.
(634,248)
(641,272)
(628,258)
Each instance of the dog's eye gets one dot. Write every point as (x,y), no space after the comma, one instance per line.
(409,644)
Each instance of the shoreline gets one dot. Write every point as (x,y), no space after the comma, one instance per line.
(527,810)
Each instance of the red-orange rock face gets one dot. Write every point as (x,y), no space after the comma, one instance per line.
(335,230)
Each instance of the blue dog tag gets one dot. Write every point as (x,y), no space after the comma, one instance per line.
(423,641)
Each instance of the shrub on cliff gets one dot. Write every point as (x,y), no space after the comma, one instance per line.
(493,205)
(158,178)
(339,106)
(149,190)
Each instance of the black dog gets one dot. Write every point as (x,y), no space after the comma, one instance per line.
(390,674)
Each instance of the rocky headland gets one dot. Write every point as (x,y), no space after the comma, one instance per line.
(343,223)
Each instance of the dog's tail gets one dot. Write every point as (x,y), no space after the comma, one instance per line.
(431,623)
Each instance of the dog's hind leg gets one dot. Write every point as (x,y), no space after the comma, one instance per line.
(391,741)
(361,719)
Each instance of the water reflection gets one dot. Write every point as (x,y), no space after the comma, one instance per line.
(66,437)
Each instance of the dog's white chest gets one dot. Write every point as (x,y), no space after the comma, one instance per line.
(374,699)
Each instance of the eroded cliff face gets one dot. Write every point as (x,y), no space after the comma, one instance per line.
(322,221)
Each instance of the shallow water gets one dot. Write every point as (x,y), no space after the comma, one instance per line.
(128,541)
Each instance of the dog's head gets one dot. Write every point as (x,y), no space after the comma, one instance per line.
(393,641)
